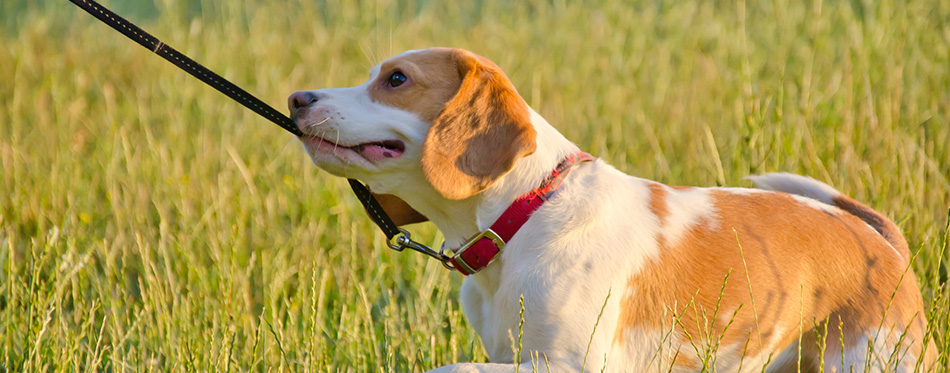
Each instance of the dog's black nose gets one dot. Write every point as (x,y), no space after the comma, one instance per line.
(301,99)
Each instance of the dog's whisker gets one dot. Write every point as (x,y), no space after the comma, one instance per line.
(311,125)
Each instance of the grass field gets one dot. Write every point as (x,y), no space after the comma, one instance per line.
(149,223)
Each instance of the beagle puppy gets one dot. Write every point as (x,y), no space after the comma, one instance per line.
(617,273)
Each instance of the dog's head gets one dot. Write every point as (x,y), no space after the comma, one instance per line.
(449,114)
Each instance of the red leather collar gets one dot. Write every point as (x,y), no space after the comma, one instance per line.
(484,247)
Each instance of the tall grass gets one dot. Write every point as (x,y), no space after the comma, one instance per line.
(149,223)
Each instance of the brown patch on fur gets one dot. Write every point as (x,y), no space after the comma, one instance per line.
(876,220)
(658,202)
(398,210)
(480,125)
(659,207)
(432,80)
(481,132)
(803,263)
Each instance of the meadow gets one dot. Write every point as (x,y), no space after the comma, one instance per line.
(148,223)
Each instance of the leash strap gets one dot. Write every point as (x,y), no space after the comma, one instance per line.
(374,210)
(195,69)
(190,66)
(398,239)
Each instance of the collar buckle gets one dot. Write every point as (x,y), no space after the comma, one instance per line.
(481,251)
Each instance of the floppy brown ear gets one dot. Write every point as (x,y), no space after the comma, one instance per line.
(480,133)
(398,210)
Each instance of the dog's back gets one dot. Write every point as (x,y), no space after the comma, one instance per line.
(763,271)
(814,189)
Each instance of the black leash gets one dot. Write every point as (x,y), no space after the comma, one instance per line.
(375,211)
(403,239)
(190,66)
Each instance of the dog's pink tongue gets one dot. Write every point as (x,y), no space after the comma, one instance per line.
(379,152)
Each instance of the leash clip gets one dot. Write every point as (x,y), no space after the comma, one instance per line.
(403,240)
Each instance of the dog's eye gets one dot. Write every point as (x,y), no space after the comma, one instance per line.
(396,79)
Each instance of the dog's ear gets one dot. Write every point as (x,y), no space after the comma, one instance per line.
(398,210)
(480,133)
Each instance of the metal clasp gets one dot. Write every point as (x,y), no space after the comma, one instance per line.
(489,234)
(404,240)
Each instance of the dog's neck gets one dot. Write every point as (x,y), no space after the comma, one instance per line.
(459,220)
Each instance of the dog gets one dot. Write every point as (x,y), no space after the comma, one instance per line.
(617,273)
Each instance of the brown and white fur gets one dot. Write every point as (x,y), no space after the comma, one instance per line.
(669,275)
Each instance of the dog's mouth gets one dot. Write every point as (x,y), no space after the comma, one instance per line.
(372,151)
(380,149)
